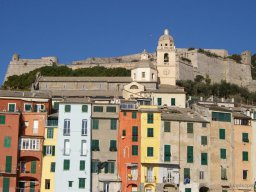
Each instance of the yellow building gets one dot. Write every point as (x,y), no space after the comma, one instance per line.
(48,169)
(150,145)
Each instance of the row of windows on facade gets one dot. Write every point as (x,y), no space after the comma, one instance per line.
(27,107)
(81,183)
(159,101)
(143,75)
(84,108)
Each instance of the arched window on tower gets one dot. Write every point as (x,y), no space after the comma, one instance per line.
(166,57)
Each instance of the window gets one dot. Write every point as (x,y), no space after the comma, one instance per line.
(134,150)
(56,106)
(70,183)
(123,132)
(95,145)
(111,109)
(150,118)
(201,175)
(97,109)
(50,132)
(84,108)
(173,102)
(167,153)
(49,150)
(167,126)
(7,141)
(245,137)
(166,57)
(30,144)
(8,164)
(83,148)
(218,116)
(94,168)
(66,130)
(113,124)
(190,128)
(66,164)
(6,184)
(223,173)
(134,115)
(222,134)
(187,189)
(159,101)
(52,166)
(82,165)
(190,156)
(32,186)
(81,183)
(84,127)
(150,151)
(223,153)
(143,74)
(204,159)
(95,124)
(245,156)
(67,108)
(109,167)
(245,173)
(2,119)
(33,167)
(150,132)
(66,147)
(134,133)
(203,140)
(47,184)
(35,127)
(27,107)
(11,107)
(204,124)
(112,146)
(124,113)
(186,173)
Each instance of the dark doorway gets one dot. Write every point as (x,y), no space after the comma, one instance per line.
(203,189)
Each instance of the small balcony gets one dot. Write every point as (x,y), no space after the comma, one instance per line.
(150,179)
(168,180)
(51,123)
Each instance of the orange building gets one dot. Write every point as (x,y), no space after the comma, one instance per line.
(129,153)
(9,126)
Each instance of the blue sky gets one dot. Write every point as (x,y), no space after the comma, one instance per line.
(75,30)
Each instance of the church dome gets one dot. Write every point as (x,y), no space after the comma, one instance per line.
(166,36)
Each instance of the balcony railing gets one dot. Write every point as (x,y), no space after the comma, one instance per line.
(52,123)
(168,179)
(150,179)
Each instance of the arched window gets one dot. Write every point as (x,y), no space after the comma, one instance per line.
(166,57)
(134,87)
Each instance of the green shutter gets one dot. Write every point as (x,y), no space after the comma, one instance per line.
(150,151)
(190,154)
(50,132)
(113,124)
(204,124)
(95,123)
(134,115)
(98,109)
(6,184)
(167,126)
(159,101)
(186,173)
(124,113)
(222,134)
(81,183)
(11,107)
(134,150)
(82,165)
(223,153)
(203,140)
(84,108)
(204,159)
(66,164)
(150,118)
(245,156)
(218,116)
(8,164)
(167,153)
(134,133)
(173,102)
(7,142)
(245,137)
(52,166)
(123,132)
(2,119)
(53,150)
(56,105)
(111,109)
(187,189)
(106,167)
(32,186)
(44,150)
(33,167)
(67,108)
(95,145)
(112,145)
(112,167)
(150,132)
(190,128)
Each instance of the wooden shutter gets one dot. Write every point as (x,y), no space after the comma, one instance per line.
(190,155)
(33,167)
(8,164)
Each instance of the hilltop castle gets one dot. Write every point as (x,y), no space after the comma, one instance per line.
(170,62)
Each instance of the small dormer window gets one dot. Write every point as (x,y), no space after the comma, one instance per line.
(143,75)
(166,57)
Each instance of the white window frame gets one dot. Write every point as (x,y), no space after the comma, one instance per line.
(15,109)
(84,148)
(35,126)
(66,130)
(48,150)
(66,150)
(30,144)
(25,107)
